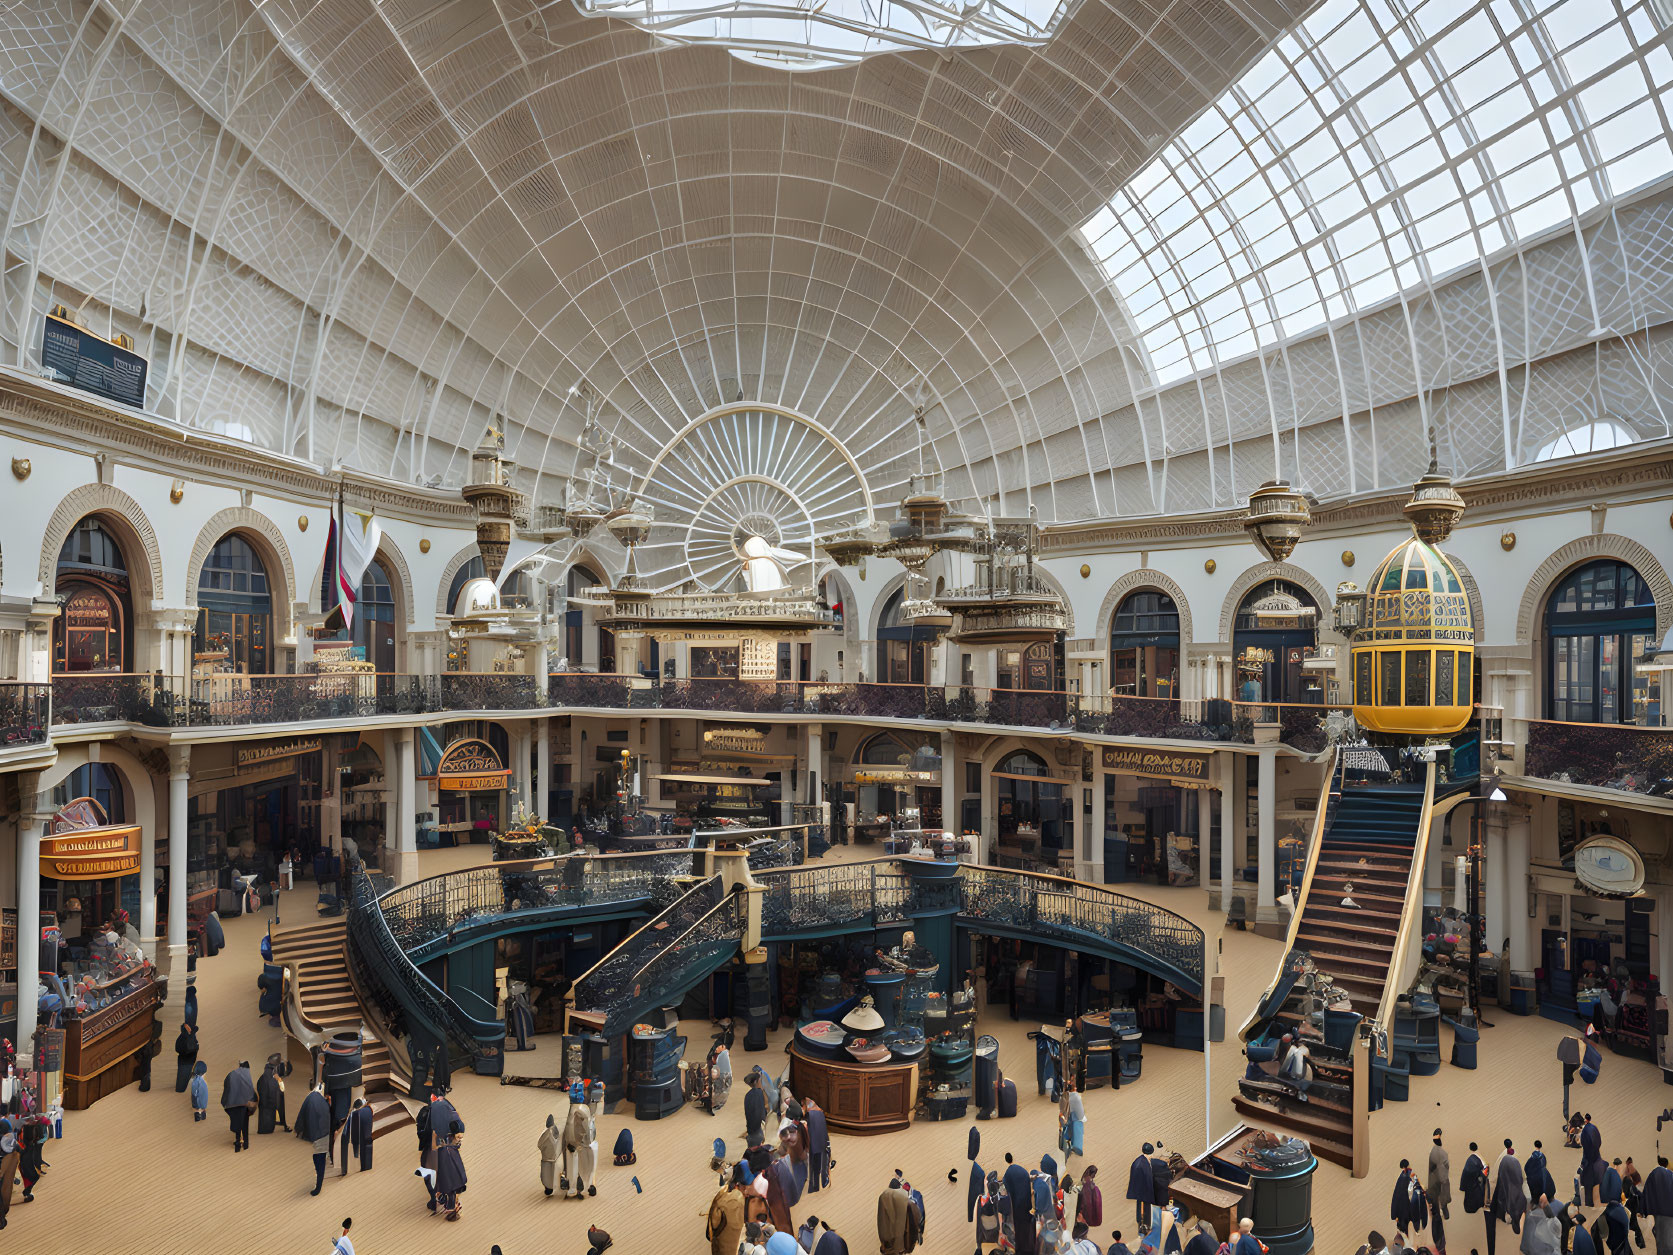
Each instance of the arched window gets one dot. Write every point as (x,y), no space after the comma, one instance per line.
(95,631)
(235,610)
(903,648)
(1035,820)
(374,616)
(1275,632)
(884,750)
(1600,619)
(1144,645)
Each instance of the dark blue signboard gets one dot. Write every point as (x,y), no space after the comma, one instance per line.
(85,361)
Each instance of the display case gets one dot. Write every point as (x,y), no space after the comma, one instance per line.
(107,1039)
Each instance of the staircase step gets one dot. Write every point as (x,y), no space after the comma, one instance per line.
(1355,947)
(1336,1146)
(1368,916)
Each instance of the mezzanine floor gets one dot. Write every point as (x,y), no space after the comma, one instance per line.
(135,1174)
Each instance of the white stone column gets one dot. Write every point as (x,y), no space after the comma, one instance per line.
(990,823)
(179,775)
(813,768)
(148,881)
(1226,778)
(1205,830)
(402,842)
(37,812)
(520,750)
(543,766)
(1517,923)
(1266,788)
(1092,840)
(1496,858)
(951,770)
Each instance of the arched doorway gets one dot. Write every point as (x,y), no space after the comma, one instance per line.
(1144,645)
(904,648)
(373,628)
(95,632)
(891,777)
(1034,822)
(235,610)
(1275,632)
(85,904)
(1599,619)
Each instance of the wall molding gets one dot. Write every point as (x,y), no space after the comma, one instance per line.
(129,523)
(1586,549)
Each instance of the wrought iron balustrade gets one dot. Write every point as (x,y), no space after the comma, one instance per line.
(428,911)
(25,713)
(610,981)
(462,690)
(581,688)
(1602,756)
(1078,914)
(669,971)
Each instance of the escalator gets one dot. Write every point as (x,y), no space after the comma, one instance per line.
(1351,940)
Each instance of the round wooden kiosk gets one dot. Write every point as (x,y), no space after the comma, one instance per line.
(858,1098)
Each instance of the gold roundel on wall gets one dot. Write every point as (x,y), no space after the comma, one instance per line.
(1347,557)
(424,545)
(302,523)
(1085,571)
(1210,565)
(1507,542)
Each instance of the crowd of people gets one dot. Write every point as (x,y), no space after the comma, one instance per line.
(1601,1212)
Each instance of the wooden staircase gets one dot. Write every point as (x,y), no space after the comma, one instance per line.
(1368,845)
(325,1001)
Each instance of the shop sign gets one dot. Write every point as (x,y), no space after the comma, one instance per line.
(93,364)
(91,853)
(251,754)
(896,775)
(1139,762)
(737,740)
(1609,867)
(87,608)
(470,765)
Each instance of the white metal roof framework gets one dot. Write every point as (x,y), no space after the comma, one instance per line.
(363,231)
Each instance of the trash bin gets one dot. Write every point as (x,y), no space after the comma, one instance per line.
(1523,998)
(1465,1036)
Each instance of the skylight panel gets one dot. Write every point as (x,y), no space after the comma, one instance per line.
(1341,135)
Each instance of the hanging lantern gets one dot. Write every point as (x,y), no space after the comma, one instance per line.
(1275,518)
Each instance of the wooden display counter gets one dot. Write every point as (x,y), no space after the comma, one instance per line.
(858,1098)
(102,1048)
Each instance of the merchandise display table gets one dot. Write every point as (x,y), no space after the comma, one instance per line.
(857,1097)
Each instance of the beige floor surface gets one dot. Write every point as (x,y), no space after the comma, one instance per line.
(135,1174)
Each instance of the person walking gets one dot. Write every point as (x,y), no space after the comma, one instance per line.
(1591,1157)
(818,1147)
(894,1211)
(1472,1182)
(450,1172)
(1071,1122)
(313,1125)
(755,1110)
(724,1227)
(1090,1206)
(185,1055)
(1656,1201)
(238,1099)
(1439,1184)
(1510,1196)
(1140,1187)
(200,1091)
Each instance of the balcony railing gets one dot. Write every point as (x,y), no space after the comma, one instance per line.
(25,713)
(1602,755)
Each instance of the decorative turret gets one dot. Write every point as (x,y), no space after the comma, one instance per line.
(491,494)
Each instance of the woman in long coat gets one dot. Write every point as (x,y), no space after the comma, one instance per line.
(185,1054)
(450,1175)
(270,1099)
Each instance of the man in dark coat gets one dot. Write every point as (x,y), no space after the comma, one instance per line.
(1161,1176)
(1656,1201)
(450,1172)
(443,1117)
(1591,1158)
(185,1054)
(755,1110)
(425,1133)
(1510,1196)
(238,1091)
(1021,1193)
(1538,1173)
(1141,1187)
(313,1125)
(270,1099)
(357,1137)
(818,1147)
(1472,1184)
(1438,1186)
(1400,1208)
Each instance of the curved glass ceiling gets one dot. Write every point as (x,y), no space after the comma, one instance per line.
(804,36)
(1378,146)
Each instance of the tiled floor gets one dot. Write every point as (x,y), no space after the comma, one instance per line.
(135,1174)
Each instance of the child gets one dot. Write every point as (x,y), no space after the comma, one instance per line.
(199,1089)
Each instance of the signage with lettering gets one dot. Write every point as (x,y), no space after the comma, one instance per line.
(1156,763)
(737,739)
(249,755)
(470,765)
(86,361)
(91,853)
(87,608)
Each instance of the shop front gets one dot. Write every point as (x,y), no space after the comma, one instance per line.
(1034,814)
(471,780)
(895,786)
(1151,819)
(251,804)
(1273,636)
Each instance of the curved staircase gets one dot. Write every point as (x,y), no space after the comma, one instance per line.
(322,999)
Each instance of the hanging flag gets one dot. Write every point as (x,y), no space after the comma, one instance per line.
(358,535)
(330,595)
